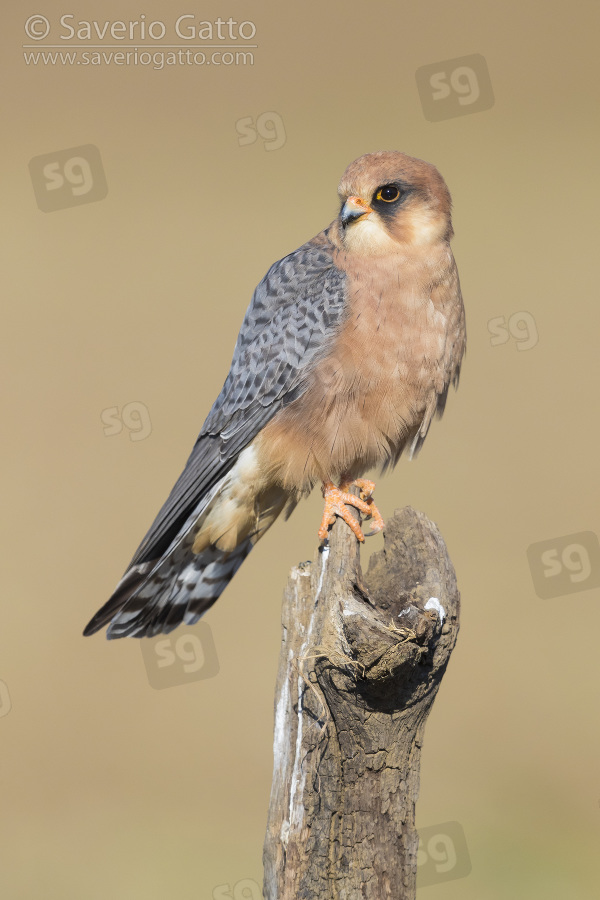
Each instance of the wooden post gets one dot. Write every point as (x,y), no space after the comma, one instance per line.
(361,662)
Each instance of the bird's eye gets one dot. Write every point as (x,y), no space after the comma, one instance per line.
(388,193)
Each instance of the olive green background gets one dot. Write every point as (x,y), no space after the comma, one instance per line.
(110,788)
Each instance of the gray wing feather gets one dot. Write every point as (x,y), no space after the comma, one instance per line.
(295,311)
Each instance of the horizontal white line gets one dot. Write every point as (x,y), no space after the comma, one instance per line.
(141,46)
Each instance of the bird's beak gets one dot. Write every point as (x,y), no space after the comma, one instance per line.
(353,209)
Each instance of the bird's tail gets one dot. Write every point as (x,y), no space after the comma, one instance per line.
(156,596)
(147,603)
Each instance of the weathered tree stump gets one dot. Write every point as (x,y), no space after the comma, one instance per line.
(361,662)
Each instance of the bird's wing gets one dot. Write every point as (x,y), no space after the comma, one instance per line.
(295,311)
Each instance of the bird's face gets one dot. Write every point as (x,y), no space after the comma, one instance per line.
(390,201)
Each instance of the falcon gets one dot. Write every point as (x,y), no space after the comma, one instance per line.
(345,354)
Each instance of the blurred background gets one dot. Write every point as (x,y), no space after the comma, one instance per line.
(143,201)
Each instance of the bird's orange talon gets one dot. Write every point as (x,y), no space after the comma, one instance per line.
(366,487)
(377,523)
(338,499)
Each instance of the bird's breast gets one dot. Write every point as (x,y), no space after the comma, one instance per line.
(368,395)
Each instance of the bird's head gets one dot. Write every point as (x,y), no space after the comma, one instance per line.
(389,198)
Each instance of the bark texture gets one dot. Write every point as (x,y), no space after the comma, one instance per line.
(361,661)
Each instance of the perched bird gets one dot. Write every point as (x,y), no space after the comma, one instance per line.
(345,354)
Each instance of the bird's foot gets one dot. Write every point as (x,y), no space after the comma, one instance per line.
(366,494)
(337,499)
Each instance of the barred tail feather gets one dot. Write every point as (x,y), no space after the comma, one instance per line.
(180,589)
